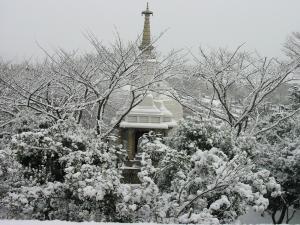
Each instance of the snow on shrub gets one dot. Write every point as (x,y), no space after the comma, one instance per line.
(204,183)
(199,175)
(279,152)
(73,175)
(194,133)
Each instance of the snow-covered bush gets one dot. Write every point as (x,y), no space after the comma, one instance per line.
(224,187)
(294,94)
(141,203)
(194,133)
(205,185)
(280,154)
(10,175)
(25,120)
(71,174)
(11,171)
(150,144)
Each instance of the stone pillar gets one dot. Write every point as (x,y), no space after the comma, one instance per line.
(121,137)
(131,143)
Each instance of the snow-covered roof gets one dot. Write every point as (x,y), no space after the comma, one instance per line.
(144,125)
(150,114)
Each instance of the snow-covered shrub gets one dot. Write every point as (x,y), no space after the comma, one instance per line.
(172,166)
(11,176)
(141,202)
(194,133)
(280,154)
(246,143)
(294,96)
(24,121)
(167,160)
(27,120)
(73,175)
(203,183)
(8,170)
(222,186)
(150,144)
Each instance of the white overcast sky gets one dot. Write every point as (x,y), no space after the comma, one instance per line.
(262,24)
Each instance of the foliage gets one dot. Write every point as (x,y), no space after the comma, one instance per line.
(10,174)
(194,133)
(205,186)
(295,96)
(280,153)
(141,203)
(72,175)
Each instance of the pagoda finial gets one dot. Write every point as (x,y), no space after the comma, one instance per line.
(146,41)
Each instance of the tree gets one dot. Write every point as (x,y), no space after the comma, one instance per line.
(92,86)
(227,74)
(292,45)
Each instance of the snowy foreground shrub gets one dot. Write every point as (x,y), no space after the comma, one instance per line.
(193,134)
(69,175)
(199,186)
(199,175)
(280,153)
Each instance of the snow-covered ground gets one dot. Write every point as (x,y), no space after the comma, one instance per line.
(250,218)
(255,218)
(58,222)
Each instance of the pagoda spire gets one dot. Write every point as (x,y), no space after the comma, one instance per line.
(146,45)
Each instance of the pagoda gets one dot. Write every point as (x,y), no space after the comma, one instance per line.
(157,113)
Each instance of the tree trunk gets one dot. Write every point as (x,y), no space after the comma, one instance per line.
(98,118)
(282,214)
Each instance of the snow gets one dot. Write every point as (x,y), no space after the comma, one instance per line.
(150,114)
(223,201)
(250,218)
(205,168)
(58,222)
(256,218)
(144,125)
(130,167)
